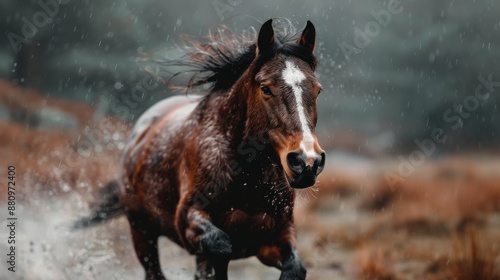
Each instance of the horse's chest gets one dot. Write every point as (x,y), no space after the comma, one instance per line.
(261,221)
(239,219)
(256,210)
(249,232)
(236,220)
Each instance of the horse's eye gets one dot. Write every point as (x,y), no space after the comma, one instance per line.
(266,91)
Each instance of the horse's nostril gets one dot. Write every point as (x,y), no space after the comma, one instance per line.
(320,162)
(295,162)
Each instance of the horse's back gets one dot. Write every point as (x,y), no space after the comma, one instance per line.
(157,124)
(163,109)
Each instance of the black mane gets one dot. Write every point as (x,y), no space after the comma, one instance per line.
(218,61)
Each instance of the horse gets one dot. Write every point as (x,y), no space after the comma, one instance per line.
(217,173)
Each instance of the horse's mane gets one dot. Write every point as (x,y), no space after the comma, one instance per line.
(218,60)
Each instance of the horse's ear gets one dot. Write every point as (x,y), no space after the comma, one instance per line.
(266,36)
(308,37)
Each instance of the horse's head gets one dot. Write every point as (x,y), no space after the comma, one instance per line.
(286,89)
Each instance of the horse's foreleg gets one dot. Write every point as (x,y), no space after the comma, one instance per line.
(204,269)
(202,236)
(292,267)
(284,257)
(146,247)
(220,267)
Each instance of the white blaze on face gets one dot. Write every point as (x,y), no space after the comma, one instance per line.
(294,77)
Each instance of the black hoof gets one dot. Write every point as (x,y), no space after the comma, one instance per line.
(216,243)
(294,273)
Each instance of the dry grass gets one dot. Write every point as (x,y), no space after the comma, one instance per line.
(440,198)
(406,231)
(374,264)
(473,257)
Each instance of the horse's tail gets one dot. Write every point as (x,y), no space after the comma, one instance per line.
(109,207)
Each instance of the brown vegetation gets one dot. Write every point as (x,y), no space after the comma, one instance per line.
(438,223)
(472,257)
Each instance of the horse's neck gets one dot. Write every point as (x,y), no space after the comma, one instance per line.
(233,113)
(256,167)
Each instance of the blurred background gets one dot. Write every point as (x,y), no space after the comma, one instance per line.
(409,116)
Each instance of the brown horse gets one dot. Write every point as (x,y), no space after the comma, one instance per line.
(217,173)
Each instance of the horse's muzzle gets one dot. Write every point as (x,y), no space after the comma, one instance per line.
(304,175)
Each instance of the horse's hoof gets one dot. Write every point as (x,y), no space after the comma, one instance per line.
(293,276)
(295,273)
(216,243)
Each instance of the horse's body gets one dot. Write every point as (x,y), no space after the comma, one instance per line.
(179,135)
(213,175)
